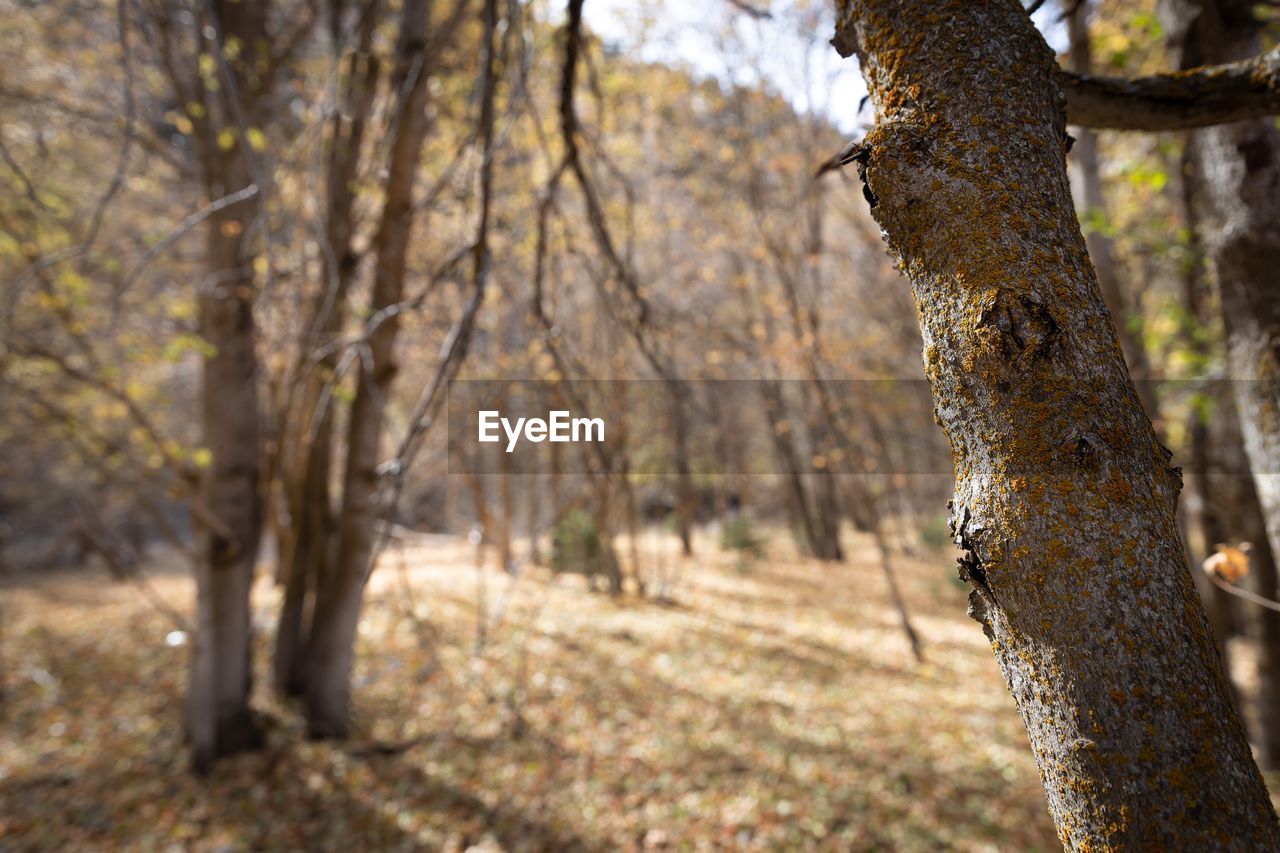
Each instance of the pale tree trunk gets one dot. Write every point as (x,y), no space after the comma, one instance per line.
(1065,501)
(219,720)
(1235,187)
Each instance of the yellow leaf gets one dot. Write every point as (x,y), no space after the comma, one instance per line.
(226,139)
(257,139)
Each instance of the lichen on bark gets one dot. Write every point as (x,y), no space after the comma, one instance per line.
(1065,498)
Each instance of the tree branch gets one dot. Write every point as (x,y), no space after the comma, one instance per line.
(1179,100)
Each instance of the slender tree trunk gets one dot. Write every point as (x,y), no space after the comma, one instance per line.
(309,558)
(895,595)
(1094,206)
(332,647)
(1207,512)
(535,491)
(684,474)
(1065,501)
(506,516)
(1235,185)
(798,505)
(1217,600)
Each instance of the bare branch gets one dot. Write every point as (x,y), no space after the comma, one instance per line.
(1180,100)
(750,10)
(22,177)
(183,227)
(130,126)
(1244,593)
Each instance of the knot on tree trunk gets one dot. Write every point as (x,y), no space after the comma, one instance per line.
(1016,327)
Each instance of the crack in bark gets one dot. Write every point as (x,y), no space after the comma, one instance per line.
(971,567)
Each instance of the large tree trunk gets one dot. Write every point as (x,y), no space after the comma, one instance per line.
(1065,501)
(1235,187)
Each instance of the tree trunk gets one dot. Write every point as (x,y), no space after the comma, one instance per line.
(1235,184)
(684,474)
(895,595)
(1094,207)
(332,648)
(309,558)
(219,721)
(1065,501)
(1207,513)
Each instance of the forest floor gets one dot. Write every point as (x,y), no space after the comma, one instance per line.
(766,704)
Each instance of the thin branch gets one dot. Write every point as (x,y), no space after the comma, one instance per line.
(22,177)
(183,227)
(1244,593)
(750,10)
(130,126)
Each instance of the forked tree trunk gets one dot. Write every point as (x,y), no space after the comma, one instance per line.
(310,555)
(1065,501)
(331,651)
(331,646)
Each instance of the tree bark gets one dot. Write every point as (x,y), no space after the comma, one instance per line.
(1065,501)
